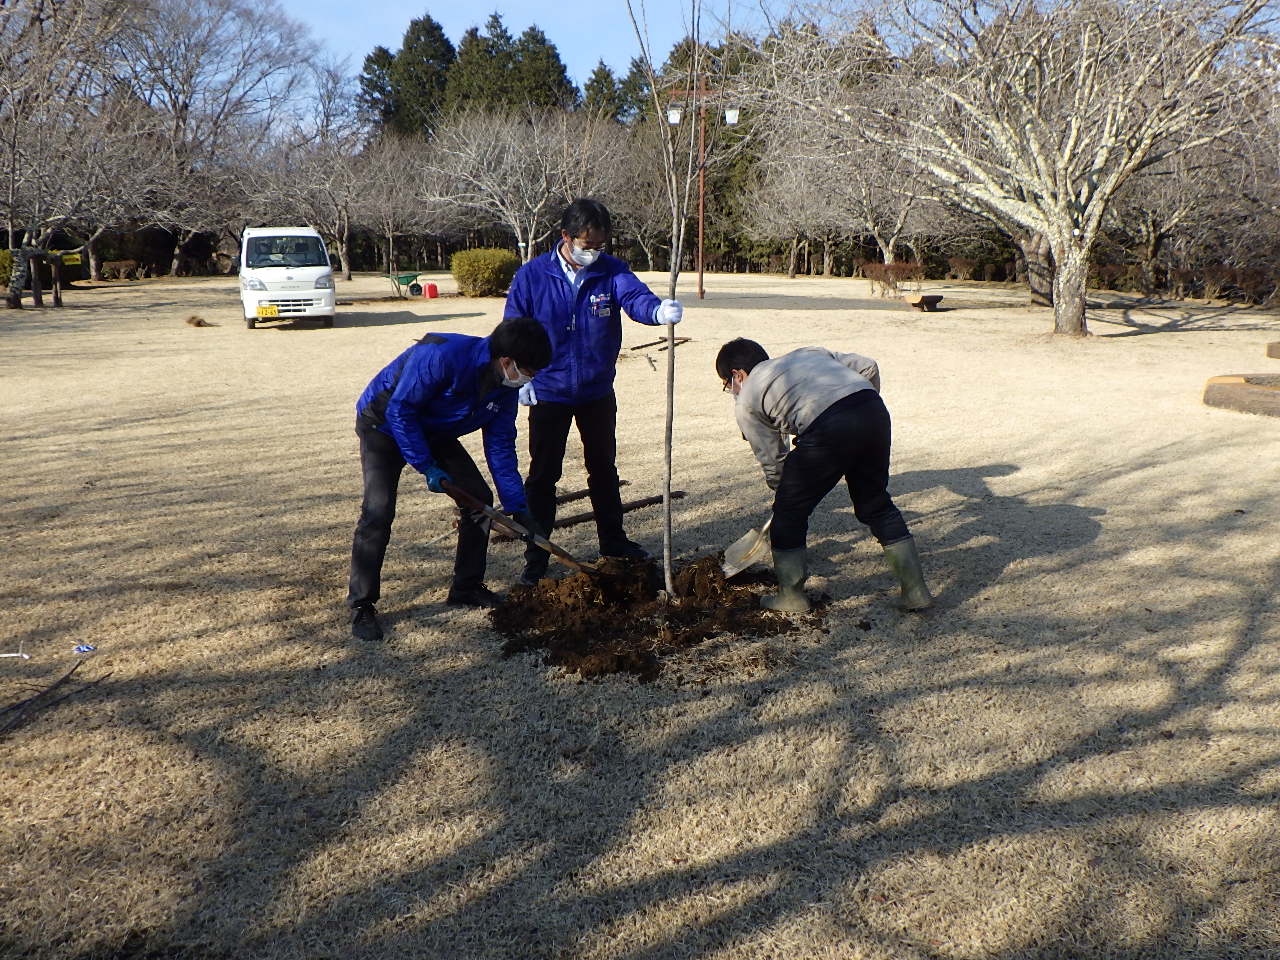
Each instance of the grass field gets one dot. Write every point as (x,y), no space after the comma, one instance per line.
(1076,754)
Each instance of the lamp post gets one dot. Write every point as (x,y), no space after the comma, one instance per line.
(674,116)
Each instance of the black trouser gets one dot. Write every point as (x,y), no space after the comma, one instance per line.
(850,439)
(381,462)
(548,433)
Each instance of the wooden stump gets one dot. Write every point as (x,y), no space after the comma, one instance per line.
(1245,392)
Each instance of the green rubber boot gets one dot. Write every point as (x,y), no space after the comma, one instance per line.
(791,570)
(905,563)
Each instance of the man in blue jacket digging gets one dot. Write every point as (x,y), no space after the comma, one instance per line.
(577,292)
(443,387)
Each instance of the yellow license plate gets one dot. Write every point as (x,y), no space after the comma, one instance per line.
(268,310)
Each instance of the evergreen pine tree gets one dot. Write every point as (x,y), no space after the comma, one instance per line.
(481,75)
(494,71)
(633,91)
(376,99)
(540,78)
(418,76)
(601,93)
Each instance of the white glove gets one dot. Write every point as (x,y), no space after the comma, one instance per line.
(527,397)
(669,311)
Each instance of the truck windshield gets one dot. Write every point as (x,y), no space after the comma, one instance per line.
(287,252)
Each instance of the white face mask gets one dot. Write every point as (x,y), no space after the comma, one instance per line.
(583,258)
(518,381)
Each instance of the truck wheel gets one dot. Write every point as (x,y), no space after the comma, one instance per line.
(250,322)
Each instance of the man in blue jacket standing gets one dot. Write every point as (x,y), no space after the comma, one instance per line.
(576,292)
(445,386)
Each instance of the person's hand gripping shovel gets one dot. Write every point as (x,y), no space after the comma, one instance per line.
(516,529)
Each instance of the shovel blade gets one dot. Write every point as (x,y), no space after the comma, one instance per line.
(746,550)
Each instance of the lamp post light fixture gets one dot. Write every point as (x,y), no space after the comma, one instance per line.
(675,114)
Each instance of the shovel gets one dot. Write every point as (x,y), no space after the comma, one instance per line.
(518,530)
(746,550)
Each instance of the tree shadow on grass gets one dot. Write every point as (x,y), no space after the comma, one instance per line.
(393,318)
(1138,317)
(592,819)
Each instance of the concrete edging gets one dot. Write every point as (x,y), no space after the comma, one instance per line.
(1245,392)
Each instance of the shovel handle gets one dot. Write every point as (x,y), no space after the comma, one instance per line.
(461,496)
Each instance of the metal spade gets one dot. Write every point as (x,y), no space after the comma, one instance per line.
(746,550)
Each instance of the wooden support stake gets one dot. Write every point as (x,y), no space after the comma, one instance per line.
(654,343)
(576,518)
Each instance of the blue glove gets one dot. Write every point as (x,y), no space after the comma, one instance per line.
(436,479)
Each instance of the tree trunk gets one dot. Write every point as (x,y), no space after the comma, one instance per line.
(886,247)
(793,261)
(826,256)
(34,259)
(18,278)
(184,238)
(95,262)
(344,250)
(1150,250)
(1072,265)
(55,273)
(1040,269)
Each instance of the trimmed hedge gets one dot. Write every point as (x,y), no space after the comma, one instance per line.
(6,268)
(485,272)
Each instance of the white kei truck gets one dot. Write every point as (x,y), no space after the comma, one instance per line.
(285,275)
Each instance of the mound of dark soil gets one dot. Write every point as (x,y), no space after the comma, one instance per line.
(615,620)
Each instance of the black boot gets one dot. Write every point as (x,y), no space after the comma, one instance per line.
(475,596)
(364,623)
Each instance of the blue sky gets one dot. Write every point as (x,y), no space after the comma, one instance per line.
(584,32)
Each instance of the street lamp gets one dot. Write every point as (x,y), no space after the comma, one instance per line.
(674,115)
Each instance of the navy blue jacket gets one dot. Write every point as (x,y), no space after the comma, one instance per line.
(585,325)
(445,385)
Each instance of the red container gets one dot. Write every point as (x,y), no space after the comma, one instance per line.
(431,291)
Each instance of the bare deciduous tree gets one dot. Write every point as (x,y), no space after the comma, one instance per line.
(518,170)
(51,51)
(1037,114)
(313,173)
(221,72)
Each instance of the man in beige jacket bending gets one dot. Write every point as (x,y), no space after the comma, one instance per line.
(830,402)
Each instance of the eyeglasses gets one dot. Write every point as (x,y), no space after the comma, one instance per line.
(726,384)
(583,245)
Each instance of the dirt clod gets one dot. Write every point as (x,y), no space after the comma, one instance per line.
(616,621)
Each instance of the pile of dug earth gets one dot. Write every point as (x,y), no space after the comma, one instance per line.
(615,619)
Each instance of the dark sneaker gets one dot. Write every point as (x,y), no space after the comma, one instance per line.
(533,572)
(628,551)
(480,596)
(364,623)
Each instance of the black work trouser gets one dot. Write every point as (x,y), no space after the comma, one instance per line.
(548,433)
(850,439)
(382,464)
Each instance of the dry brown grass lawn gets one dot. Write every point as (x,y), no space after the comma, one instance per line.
(1075,755)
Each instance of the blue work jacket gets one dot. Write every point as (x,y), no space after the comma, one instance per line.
(445,386)
(584,324)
